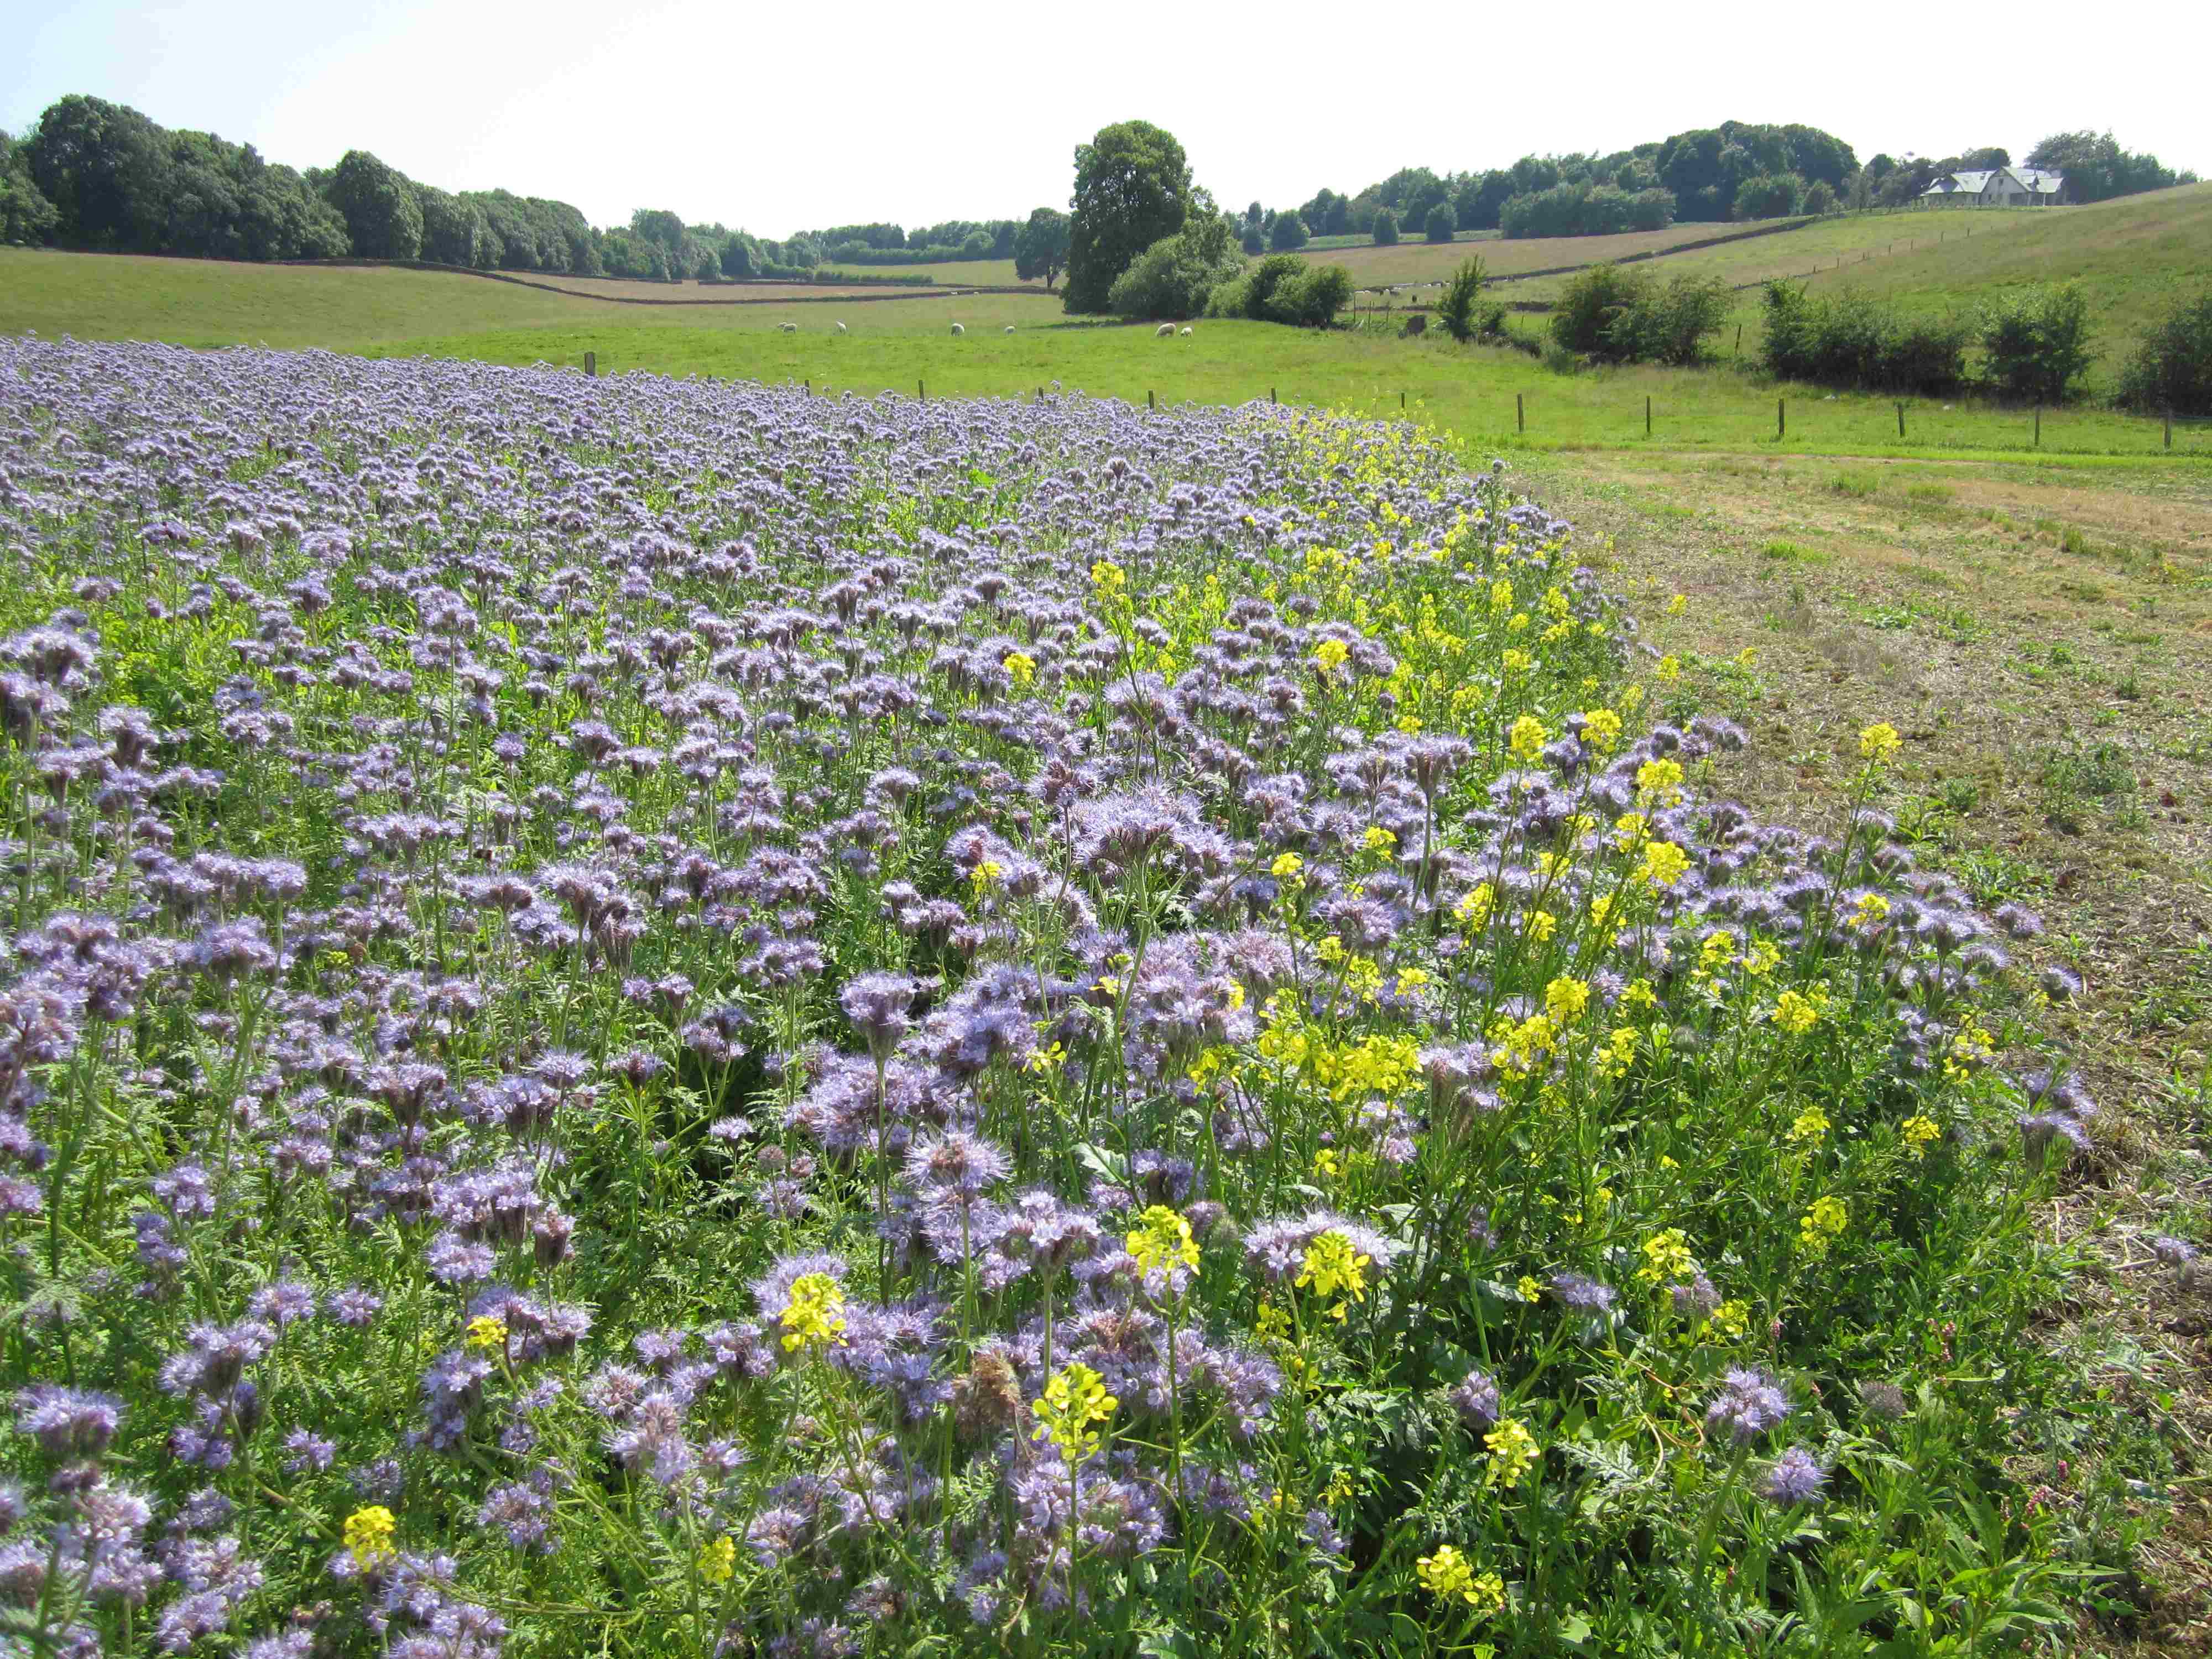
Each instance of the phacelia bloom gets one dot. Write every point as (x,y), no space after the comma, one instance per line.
(1475,1399)
(67,1423)
(1795,1479)
(1751,1401)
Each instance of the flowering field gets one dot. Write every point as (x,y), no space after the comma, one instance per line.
(658,1017)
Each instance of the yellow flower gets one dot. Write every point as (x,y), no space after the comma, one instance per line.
(1021,666)
(1501,596)
(1871,910)
(984,874)
(1516,662)
(487,1331)
(1074,1403)
(1287,867)
(1667,1258)
(1812,1125)
(369,1536)
(1043,1061)
(1473,912)
(1447,1574)
(1331,655)
(1761,959)
(1661,781)
(815,1315)
(1795,1012)
(1823,1224)
(1629,831)
(1411,980)
(1879,742)
(1565,998)
(1542,924)
(1719,950)
(1162,1238)
(1919,1131)
(1670,670)
(1109,576)
(718,1559)
(1600,729)
(1332,1266)
(1513,1453)
(1377,839)
(1338,1490)
(1529,1287)
(1664,864)
(1526,737)
(1678,605)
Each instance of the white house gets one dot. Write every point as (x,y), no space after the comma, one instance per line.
(1998,188)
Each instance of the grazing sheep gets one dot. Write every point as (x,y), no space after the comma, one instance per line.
(957,330)
(1186,331)
(840,328)
(1165,332)
(1010,328)
(788,328)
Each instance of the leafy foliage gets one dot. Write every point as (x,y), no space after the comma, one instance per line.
(1612,313)
(1174,278)
(1041,249)
(2035,343)
(2172,367)
(1132,190)
(1386,228)
(1849,340)
(1441,224)
(1458,307)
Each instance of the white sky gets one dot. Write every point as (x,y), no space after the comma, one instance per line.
(783,116)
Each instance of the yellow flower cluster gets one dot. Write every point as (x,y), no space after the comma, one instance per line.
(814,1317)
(1021,666)
(486,1332)
(1332,1266)
(1513,1453)
(1162,1238)
(1448,1574)
(370,1536)
(1919,1132)
(1823,1224)
(1075,1402)
(1798,1011)
(1667,1258)
(718,1559)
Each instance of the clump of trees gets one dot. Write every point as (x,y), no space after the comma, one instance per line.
(1580,210)
(1284,288)
(1848,340)
(1132,193)
(1175,278)
(2172,367)
(1608,314)
(1385,229)
(1040,247)
(2032,343)
(1461,310)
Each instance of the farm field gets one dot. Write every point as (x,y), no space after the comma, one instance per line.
(1300,1117)
(955,273)
(1418,261)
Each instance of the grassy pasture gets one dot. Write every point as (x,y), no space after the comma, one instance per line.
(954,273)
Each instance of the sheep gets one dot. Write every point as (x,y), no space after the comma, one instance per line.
(1010,328)
(1165,332)
(957,330)
(1186,331)
(840,328)
(788,328)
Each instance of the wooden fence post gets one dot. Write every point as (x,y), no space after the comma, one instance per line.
(809,385)
(2169,428)
(591,364)
(921,391)
(2039,426)
(1271,394)
(1520,415)
(1781,419)
(1900,420)
(1738,339)
(1647,414)
(1149,403)
(1402,402)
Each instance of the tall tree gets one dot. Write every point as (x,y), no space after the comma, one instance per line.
(26,215)
(106,169)
(1132,189)
(384,219)
(1040,247)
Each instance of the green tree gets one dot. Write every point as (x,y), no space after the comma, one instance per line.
(1132,190)
(1175,277)
(1456,307)
(657,225)
(2171,368)
(1769,196)
(2097,168)
(1386,228)
(1441,224)
(2035,344)
(105,167)
(736,256)
(1040,247)
(452,229)
(384,219)
(1287,234)
(26,215)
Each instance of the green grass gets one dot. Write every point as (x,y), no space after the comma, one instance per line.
(952,273)
(894,345)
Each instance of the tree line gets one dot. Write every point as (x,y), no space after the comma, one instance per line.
(1735,171)
(94,174)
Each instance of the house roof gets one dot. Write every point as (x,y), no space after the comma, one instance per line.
(2037,181)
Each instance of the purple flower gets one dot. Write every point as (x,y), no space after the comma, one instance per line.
(67,1423)
(1795,1479)
(1751,1401)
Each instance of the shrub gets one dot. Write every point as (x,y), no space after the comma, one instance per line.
(1669,324)
(1588,305)
(1819,196)
(1174,277)
(2035,344)
(1386,228)
(1580,210)
(2171,369)
(1312,298)
(1770,196)
(1442,223)
(1288,232)
(1457,310)
(1851,341)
